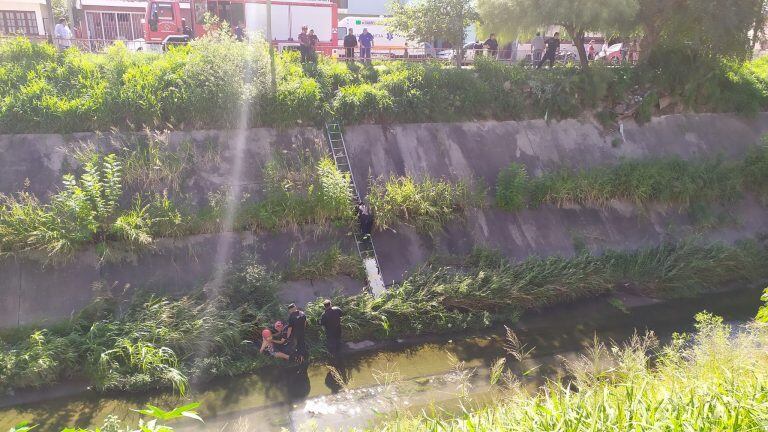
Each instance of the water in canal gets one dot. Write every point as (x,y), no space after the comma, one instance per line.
(407,378)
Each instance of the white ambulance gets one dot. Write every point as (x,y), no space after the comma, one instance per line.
(385,43)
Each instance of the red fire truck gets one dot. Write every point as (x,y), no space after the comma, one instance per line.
(163,19)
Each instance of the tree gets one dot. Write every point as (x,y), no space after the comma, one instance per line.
(427,20)
(62,9)
(577,17)
(716,27)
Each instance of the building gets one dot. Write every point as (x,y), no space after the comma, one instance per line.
(362,7)
(110,20)
(27,17)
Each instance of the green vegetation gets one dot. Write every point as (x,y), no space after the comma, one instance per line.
(203,85)
(711,380)
(673,181)
(297,189)
(427,205)
(154,421)
(428,20)
(511,185)
(87,210)
(165,343)
(331,262)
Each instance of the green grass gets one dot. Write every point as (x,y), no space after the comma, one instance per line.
(86,211)
(711,380)
(329,263)
(427,205)
(693,184)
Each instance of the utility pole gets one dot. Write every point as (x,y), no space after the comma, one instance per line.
(271,48)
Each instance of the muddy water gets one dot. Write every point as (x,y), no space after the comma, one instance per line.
(406,378)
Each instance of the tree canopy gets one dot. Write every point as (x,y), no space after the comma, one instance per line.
(577,17)
(718,27)
(428,20)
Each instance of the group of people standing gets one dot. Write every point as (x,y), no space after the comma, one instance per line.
(308,44)
(365,41)
(286,341)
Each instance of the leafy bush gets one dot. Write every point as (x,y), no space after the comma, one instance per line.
(362,103)
(207,83)
(426,205)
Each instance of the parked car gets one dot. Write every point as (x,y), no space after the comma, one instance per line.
(611,54)
(469,51)
(421,50)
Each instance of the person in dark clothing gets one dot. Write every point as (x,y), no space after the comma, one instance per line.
(187,30)
(280,339)
(331,321)
(313,40)
(350,42)
(553,45)
(239,32)
(492,45)
(365,219)
(297,325)
(304,44)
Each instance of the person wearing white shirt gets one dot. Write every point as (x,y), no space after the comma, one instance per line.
(62,34)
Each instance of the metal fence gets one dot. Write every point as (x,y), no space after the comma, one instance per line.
(523,55)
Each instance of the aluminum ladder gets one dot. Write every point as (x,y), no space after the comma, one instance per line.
(365,247)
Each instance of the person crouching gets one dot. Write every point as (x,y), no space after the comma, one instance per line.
(268,346)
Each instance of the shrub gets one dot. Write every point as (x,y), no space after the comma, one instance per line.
(426,205)
(362,103)
(207,83)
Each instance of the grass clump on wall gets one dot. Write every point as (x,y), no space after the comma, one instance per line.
(673,181)
(86,211)
(427,205)
(299,193)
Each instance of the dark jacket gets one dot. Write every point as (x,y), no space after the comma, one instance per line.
(350,41)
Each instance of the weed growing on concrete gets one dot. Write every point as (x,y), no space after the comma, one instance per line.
(427,205)
(511,187)
(692,184)
(86,211)
(329,263)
